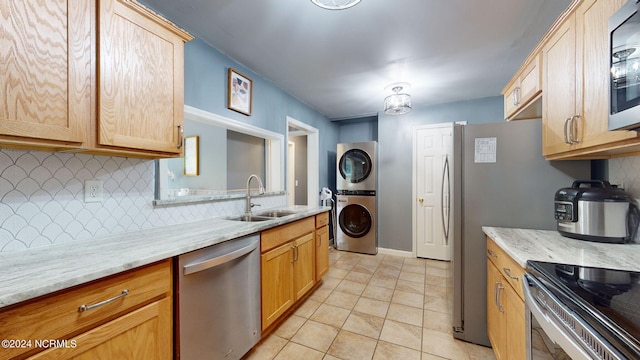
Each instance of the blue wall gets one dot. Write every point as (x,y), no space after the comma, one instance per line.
(206,88)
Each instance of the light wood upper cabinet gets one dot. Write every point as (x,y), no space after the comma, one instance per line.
(575,78)
(522,95)
(45,81)
(140,79)
(101,76)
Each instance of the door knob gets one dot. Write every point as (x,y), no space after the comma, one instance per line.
(420,200)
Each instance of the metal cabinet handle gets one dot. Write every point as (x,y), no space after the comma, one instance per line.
(83,308)
(500,288)
(180,136)
(566,139)
(573,127)
(294,247)
(507,271)
(515,98)
(319,240)
(491,253)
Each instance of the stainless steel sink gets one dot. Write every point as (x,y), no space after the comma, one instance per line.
(250,218)
(276,213)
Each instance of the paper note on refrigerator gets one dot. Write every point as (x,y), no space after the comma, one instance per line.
(485,151)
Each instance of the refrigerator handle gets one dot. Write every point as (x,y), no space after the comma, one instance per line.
(445,176)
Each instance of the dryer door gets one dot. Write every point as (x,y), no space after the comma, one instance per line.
(355,166)
(355,220)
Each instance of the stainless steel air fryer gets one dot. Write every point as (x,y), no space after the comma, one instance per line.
(595,210)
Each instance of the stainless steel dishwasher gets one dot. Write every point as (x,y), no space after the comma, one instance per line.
(218,300)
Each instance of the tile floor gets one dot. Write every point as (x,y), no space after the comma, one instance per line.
(373,307)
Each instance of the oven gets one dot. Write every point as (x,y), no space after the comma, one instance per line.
(577,312)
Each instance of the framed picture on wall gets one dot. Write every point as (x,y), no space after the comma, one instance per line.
(239,92)
(191,156)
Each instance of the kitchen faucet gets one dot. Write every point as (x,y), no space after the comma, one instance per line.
(260,191)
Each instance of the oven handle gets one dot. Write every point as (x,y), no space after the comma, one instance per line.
(549,324)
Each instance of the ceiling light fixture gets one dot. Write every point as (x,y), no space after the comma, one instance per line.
(397,104)
(335,4)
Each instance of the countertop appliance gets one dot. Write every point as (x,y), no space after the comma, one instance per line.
(506,182)
(582,312)
(597,212)
(218,300)
(624,84)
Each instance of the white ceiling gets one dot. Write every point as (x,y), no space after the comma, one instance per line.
(339,62)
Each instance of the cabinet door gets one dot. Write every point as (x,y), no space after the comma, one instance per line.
(145,333)
(592,35)
(141,80)
(515,324)
(496,329)
(277,283)
(45,82)
(559,99)
(304,265)
(322,252)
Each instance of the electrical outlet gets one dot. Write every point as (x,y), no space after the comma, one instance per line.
(92,191)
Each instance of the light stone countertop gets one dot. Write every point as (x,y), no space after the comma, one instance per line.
(550,246)
(34,272)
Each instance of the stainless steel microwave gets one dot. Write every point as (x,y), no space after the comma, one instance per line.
(624,84)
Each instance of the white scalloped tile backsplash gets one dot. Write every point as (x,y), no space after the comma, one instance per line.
(42,199)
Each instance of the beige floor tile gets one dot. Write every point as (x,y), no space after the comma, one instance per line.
(387,271)
(402,334)
(290,326)
(415,261)
(330,315)
(436,280)
(307,308)
(364,324)
(358,277)
(378,293)
(293,351)
(436,303)
(351,287)
(406,314)
(371,260)
(389,351)
(385,281)
(343,300)
(315,335)
(320,294)
(330,283)
(427,356)
(351,346)
(438,272)
(438,264)
(479,352)
(385,265)
(334,272)
(407,298)
(365,269)
(432,290)
(268,348)
(329,357)
(343,265)
(409,276)
(443,345)
(414,269)
(372,307)
(410,286)
(437,321)
(393,258)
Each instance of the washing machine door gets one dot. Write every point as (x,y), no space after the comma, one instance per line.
(355,166)
(355,220)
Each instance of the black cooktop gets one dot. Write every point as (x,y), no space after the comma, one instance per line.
(609,300)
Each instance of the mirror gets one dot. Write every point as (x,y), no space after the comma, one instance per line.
(228,151)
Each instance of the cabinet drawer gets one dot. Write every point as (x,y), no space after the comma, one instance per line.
(511,271)
(58,316)
(279,235)
(322,220)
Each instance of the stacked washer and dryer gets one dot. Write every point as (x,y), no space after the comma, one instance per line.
(356,182)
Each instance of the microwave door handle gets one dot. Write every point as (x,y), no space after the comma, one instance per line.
(551,328)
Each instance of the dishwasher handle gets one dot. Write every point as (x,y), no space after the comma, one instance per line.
(219,260)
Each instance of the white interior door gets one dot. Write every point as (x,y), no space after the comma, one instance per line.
(433,152)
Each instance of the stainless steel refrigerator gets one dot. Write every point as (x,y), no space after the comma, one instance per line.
(506,182)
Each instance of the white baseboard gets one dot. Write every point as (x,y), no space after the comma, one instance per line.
(394,252)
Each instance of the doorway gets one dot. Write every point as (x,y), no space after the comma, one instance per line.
(303,180)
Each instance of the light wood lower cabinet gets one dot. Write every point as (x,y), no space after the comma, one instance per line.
(505,305)
(294,258)
(138,325)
